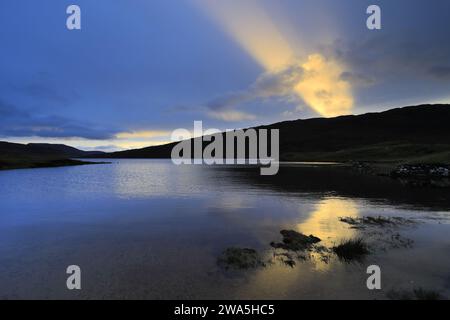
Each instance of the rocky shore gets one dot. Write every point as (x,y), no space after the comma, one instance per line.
(423,175)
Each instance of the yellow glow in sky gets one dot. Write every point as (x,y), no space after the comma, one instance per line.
(142,134)
(231,115)
(123,140)
(322,89)
(249,24)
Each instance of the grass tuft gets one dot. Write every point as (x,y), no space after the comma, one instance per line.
(415,294)
(351,250)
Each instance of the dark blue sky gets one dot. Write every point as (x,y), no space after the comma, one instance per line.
(139,69)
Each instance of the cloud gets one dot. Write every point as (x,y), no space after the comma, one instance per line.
(126,144)
(21,126)
(321,87)
(270,84)
(42,92)
(146,134)
(41,87)
(380,58)
(279,83)
(315,78)
(105,148)
(140,138)
(317,81)
(231,115)
(357,79)
(440,72)
(15,122)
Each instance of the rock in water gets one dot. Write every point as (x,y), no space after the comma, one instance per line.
(295,241)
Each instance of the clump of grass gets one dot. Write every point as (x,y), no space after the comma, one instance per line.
(378,220)
(423,294)
(240,258)
(351,250)
(415,294)
(375,221)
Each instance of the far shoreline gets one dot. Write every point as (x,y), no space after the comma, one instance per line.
(57,163)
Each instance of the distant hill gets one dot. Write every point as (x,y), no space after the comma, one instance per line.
(61,150)
(417,133)
(411,134)
(16,155)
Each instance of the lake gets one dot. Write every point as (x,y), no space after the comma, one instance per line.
(147,229)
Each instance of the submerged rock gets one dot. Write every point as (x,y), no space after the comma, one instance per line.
(295,241)
(288,259)
(240,258)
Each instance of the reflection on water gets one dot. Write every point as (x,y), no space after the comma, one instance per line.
(323,222)
(149,229)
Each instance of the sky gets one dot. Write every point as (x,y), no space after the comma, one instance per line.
(137,70)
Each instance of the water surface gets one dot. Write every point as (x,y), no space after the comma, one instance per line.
(149,229)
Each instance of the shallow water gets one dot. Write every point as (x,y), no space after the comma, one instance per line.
(149,229)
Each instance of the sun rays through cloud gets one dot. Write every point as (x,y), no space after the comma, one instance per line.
(322,88)
(319,85)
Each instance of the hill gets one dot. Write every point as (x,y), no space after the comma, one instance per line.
(16,155)
(409,134)
(417,134)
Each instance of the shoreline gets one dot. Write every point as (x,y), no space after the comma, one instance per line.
(47,164)
(407,174)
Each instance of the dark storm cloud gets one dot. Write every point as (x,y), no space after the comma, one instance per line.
(382,57)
